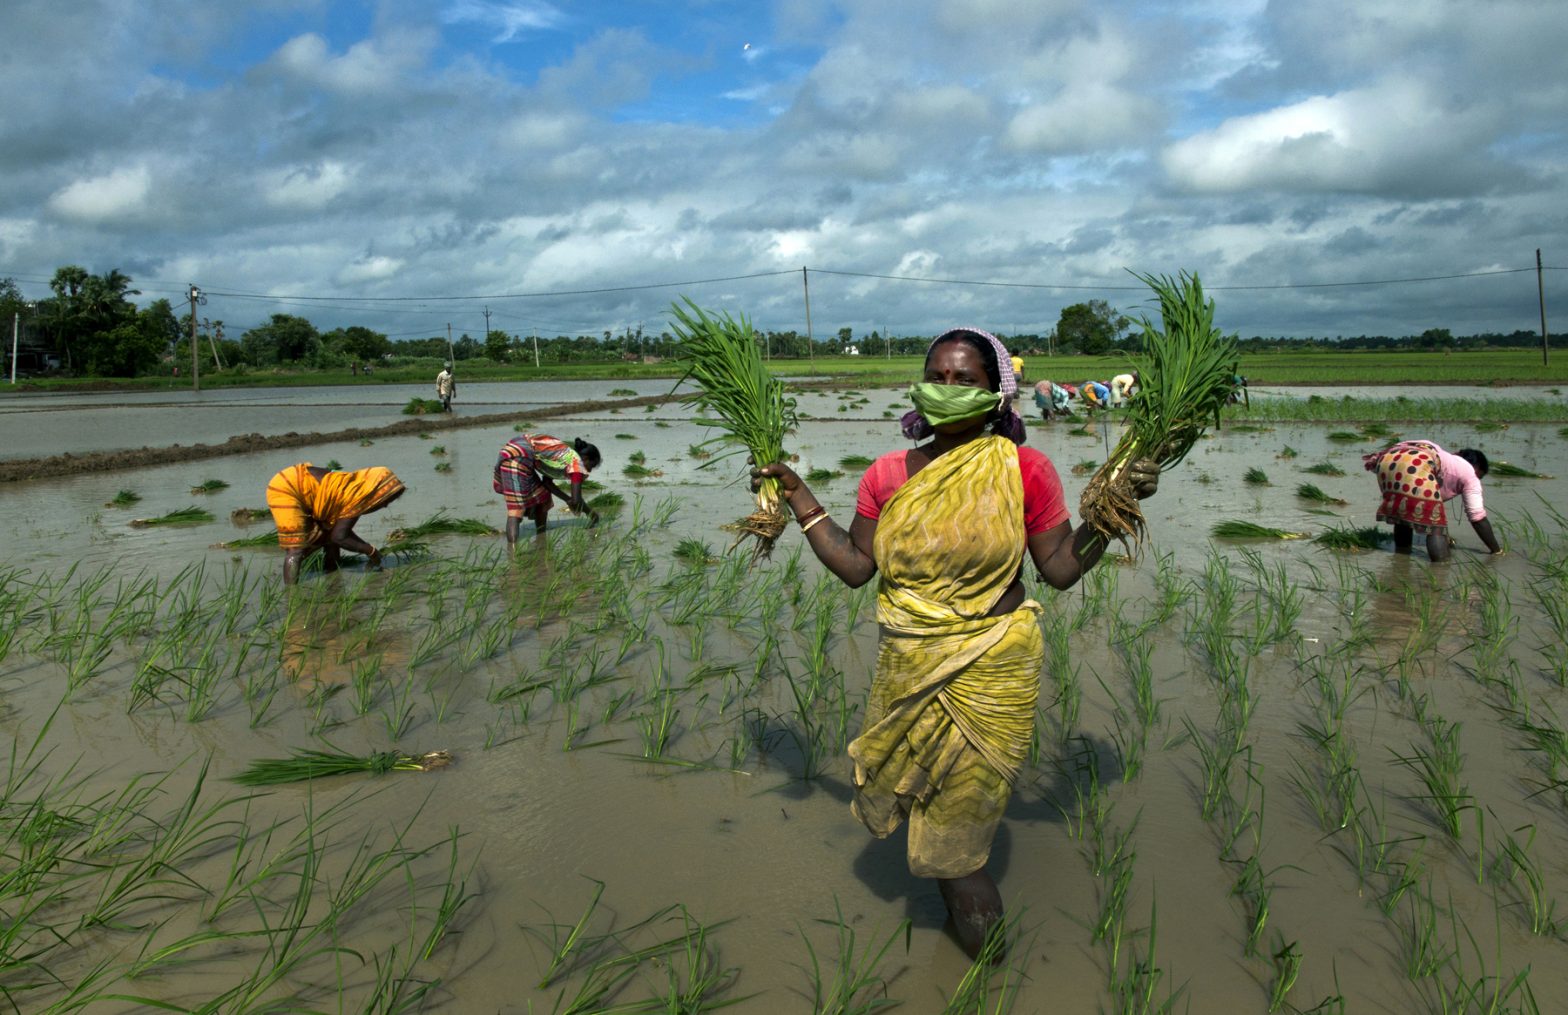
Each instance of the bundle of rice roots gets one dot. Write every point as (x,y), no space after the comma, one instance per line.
(739,396)
(304,765)
(1237,529)
(1185,375)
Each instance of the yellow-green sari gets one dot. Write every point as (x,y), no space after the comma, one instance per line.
(952,706)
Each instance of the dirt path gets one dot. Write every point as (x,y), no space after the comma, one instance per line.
(107,461)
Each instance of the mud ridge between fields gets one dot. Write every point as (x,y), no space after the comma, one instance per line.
(69,464)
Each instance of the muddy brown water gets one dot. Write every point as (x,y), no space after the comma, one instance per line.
(773,853)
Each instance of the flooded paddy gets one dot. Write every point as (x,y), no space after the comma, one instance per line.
(1260,764)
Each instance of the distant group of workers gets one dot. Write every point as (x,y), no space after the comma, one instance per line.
(1053,399)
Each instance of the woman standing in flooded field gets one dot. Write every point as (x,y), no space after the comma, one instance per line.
(946,526)
(1416,478)
(527,473)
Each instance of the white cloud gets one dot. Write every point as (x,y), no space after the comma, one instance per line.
(508,20)
(369,269)
(1391,137)
(366,68)
(306,187)
(117,195)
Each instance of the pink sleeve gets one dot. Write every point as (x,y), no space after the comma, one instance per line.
(1045,505)
(1460,480)
(886,475)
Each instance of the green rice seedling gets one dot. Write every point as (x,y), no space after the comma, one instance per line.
(1287,967)
(634,471)
(125,498)
(245,515)
(1505,470)
(1377,430)
(822,475)
(622,393)
(439,524)
(1324,469)
(1524,875)
(1236,529)
(1084,467)
(638,458)
(998,956)
(443,467)
(209,486)
(333,465)
(1439,765)
(1249,428)
(1287,452)
(1366,538)
(1345,436)
(748,402)
(695,551)
(855,984)
(850,463)
(1310,492)
(423,407)
(1255,477)
(245,542)
(699,452)
(182,516)
(439,449)
(306,764)
(1186,375)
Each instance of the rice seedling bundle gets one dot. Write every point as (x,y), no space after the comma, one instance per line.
(622,393)
(1085,467)
(1377,430)
(1236,529)
(1351,539)
(1082,431)
(822,475)
(303,765)
(439,449)
(439,524)
(1250,428)
(1490,426)
(261,539)
(1324,469)
(638,458)
(625,436)
(851,462)
(1308,491)
(1563,432)
(694,551)
(608,502)
(1186,374)
(125,498)
(1255,477)
(443,466)
(209,486)
(184,516)
(635,471)
(1514,471)
(333,465)
(1344,436)
(1287,452)
(748,403)
(421,407)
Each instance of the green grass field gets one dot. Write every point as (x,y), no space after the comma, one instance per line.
(1482,368)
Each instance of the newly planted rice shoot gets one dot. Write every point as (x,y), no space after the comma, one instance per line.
(1324,469)
(184,516)
(1367,538)
(1238,529)
(1185,377)
(304,765)
(695,551)
(1315,494)
(422,407)
(1287,452)
(125,498)
(741,398)
(1255,477)
(439,524)
(1504,469)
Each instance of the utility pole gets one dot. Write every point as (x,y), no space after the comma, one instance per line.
(811,352)
(536,348)
(487,325)
(195,297)
(1540,293)
(450,354)
(16,331)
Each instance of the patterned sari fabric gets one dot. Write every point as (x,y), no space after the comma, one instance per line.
(1409,477)
(523,459)
(952,706)
(305,508)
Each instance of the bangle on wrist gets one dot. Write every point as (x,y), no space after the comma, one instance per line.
(808,526)
(809,515)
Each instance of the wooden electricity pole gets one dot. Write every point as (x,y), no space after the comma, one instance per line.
(1540,294)
(195,294)
(811,352)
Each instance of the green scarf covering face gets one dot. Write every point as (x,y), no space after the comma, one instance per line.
(950,403)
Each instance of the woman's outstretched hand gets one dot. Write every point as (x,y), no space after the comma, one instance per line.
(1144,476)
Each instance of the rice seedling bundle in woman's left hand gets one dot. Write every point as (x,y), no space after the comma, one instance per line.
(1186,373)
(744,399)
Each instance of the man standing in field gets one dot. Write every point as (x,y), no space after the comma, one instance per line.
(446,387)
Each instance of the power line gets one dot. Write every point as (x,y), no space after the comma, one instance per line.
(1140,288)
(504,296)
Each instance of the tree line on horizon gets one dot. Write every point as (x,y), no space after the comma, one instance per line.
(90,327)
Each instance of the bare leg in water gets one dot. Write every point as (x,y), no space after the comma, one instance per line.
(975,906)
(1438,545)
(1404,538)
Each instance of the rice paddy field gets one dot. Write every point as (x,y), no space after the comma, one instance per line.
(1270,774)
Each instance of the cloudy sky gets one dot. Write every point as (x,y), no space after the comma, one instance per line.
(408,163)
